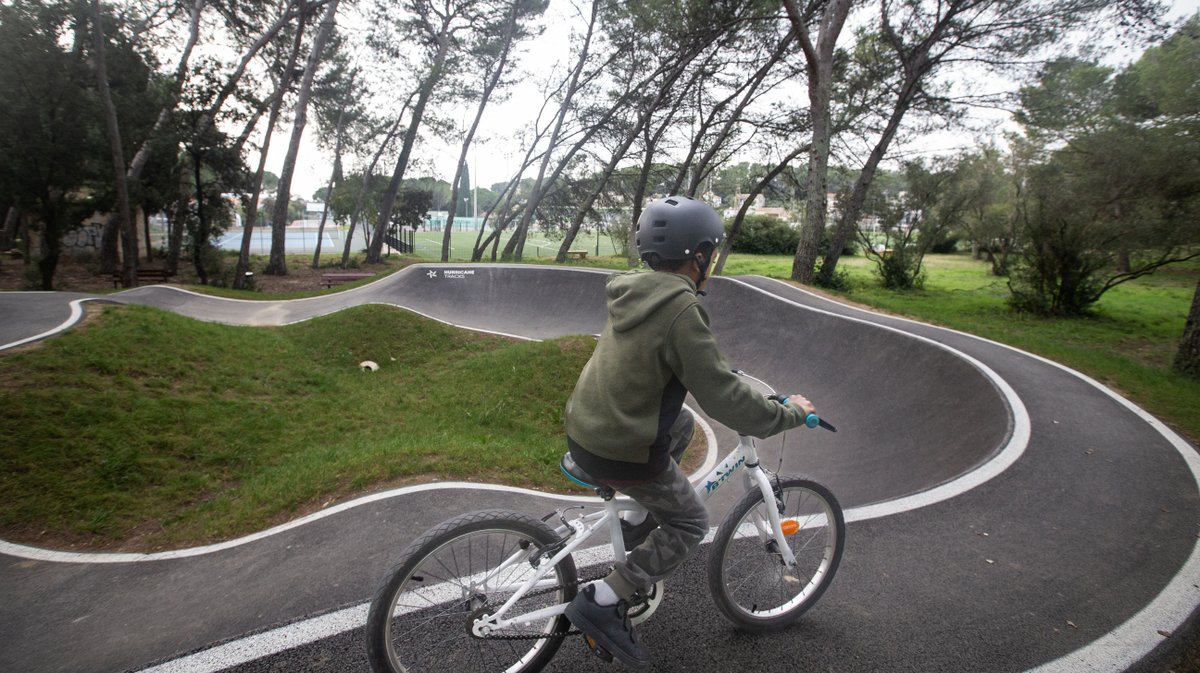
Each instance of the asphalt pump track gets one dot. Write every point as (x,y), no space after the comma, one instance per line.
(1004,513)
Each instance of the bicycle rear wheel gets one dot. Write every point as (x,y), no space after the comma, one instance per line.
(746,573)
(422,617)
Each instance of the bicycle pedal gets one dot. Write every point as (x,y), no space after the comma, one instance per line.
(595,648)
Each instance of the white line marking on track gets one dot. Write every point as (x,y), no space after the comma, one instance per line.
(997,464)
(1116,651)
(265,644)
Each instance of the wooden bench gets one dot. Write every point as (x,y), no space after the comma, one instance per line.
(577,254)
(143,276)
(331,279)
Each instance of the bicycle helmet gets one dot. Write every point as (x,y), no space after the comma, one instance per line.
(671,230)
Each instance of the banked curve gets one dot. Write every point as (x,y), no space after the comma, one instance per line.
(915,417)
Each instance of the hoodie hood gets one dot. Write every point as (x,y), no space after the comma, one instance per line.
(633,297)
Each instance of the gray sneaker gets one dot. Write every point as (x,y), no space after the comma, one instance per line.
(607,627)
(634,535)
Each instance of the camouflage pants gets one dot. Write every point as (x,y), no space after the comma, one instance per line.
(682,522)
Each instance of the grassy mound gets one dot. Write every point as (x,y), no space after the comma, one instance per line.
(147,430)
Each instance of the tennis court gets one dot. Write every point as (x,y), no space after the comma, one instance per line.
(428,243)
(296,239)
(537,245)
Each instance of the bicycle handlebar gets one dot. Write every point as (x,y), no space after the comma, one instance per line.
(811,421)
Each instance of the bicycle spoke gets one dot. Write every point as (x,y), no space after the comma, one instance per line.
(749,578)
(428,628)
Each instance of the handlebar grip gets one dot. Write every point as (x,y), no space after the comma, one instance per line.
(811,420)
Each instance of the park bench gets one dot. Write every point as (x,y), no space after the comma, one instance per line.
(577,254)
(144,275)
(331,279)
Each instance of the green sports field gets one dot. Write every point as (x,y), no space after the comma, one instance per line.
(537,246)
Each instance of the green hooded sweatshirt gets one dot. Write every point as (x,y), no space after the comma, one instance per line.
(655,348)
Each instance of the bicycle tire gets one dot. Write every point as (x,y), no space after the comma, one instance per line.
(746,575)
(420,620)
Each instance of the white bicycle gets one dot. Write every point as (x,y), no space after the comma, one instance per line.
(486,590)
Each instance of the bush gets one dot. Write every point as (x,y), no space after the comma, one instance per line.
(900,270)
(1050,281)
(766,235)
(849,249)
(838,281)
(945,246)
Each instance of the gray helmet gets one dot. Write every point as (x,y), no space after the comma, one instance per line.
(672,229)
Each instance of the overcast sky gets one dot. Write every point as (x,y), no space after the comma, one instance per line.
(494,161)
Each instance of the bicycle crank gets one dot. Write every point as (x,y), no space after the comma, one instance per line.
(641,607)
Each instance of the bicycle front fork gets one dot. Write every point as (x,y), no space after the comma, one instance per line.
(772,528)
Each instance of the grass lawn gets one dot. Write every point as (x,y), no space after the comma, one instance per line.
(147,430)
(538,246)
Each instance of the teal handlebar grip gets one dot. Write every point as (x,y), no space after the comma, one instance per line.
(810,421)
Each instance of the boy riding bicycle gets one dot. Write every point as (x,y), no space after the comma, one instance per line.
(624,421)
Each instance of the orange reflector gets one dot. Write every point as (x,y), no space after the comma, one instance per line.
(789,527)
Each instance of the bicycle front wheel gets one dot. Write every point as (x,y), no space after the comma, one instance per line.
(422,618)
(747,576)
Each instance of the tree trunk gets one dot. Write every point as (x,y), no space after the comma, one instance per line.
(142,156)
(179,217)
(581,214)
(108,244)
(488,87)
(1187,358)
(333,175)
(52,233)
(360,201)
(243,265)
(817,202)
(11,219)
(651,142)
(819,58)
(503,205)
(113,127)
(507,196)
(516,246)
(642,124)
(853,207)
(748,95)
(200,238)
(278,262)
(375,250)
(146,231)
(631,252)
(1123,262)
(755,191)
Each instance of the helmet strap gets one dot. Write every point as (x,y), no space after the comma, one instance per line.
(702,267)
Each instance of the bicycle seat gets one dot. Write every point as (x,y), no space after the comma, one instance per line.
(581,477)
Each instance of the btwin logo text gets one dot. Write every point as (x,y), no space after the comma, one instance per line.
(711,485)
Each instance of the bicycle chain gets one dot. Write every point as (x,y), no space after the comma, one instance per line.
(574,632)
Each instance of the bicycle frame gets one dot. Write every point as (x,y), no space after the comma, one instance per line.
(581,528)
